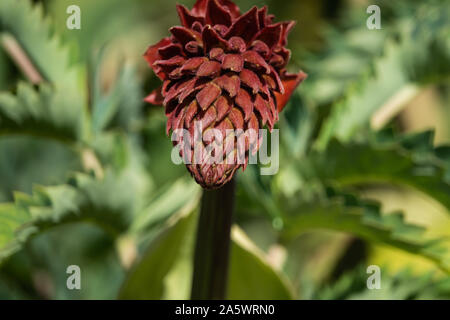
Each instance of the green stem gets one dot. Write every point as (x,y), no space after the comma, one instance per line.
(212,248)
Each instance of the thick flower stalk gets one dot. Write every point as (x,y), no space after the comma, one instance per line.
(225,71)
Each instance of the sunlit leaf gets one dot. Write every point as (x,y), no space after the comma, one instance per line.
(350,214)
(146,279)
(403,285)
(251,276)
(404,66)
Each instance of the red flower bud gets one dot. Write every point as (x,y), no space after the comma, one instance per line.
(224,71)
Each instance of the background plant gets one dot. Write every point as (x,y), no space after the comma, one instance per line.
(86,177)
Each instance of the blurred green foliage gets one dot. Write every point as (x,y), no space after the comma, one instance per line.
(86,176)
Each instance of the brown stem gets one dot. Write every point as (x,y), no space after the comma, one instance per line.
(13,48)
(212,248)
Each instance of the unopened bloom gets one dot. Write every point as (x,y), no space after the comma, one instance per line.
(225,71)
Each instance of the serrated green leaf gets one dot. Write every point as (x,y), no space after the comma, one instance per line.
(38,113)
(59,110)
(28,26)
(12,220)
(408,162)
(346,55)
(19,158)
(83,199)
(355,110)
(347,213)
(420,57)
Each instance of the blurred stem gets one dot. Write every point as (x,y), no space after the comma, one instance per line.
(212,248)
(16,52)
(90,162)
(393,106)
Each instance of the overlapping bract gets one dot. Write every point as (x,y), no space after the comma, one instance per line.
(225,71)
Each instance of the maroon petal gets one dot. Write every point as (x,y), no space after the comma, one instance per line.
(208,95)
(199,8)
(186,18)
(229,83)
(233,62)
(269,82)
(171,96)
(191,111)
(270,121)
(197,27)
(212,39)
(223,126)
(186,89)
(184,35)
(167,84)
(191,65)
(152,55)
(269,19)
(217,54)
(273,112)
(170,64)
(262,108)
(246,26)
(174,119)
(279,84)
(208,117)
(178,90)
(237,44)
(250,79)
(177,119)
(176,74)
(261,48)
(170,51)
(232,7)
(287,27)
(265,89)
(223,106)
(290,83)
(285,54)
(255,60)
(277,61)
(155,97)
(194,86)
(253,124)
(209,69)
(244,100)
(270,35)
(221,29)
(274,82)
(194,47)
(236,118)
(217,14)
(262,13)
